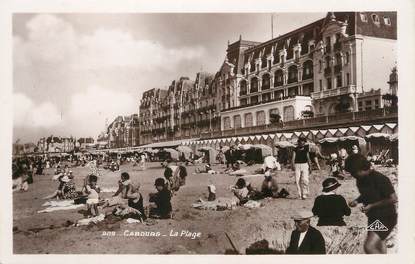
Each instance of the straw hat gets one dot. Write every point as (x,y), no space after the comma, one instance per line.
(302,215)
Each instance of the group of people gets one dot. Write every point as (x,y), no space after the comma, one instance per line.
(377,194)
(377,197)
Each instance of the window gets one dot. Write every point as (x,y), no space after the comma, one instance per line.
(254,99)
(328,83)
(248,120)
(321,85)
(297,55)
(254,85)
(347,78)
(338,59)
(376,103)
(375,18)
(320,65)
(347,57)
(363,17)
(265,82)
(387,21)
(338,81)
(237,121)
(327,62)
(266,97)
(368,104)
(260,118)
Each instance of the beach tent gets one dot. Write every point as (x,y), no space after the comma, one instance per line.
(184,151)
(169,153)
(265,150)
(334,144)
(210,154)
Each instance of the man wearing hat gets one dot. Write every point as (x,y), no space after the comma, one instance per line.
(329,206)
(305,239)
(378,198)
(160,202)
(301,164)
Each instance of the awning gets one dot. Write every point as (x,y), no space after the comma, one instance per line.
(167,144)
(378,135)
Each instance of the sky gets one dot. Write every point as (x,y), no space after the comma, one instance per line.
(72,72)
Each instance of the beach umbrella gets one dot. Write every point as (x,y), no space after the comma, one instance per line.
(284,144)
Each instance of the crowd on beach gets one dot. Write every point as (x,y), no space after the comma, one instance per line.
(377,194)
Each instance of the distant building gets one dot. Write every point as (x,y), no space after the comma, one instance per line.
(123,132)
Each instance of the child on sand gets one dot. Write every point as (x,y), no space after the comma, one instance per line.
(329,206)
(160,202)
(92,190)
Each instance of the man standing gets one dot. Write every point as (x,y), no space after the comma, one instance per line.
(378,198)
(301,164)
(305,239)
(230,156)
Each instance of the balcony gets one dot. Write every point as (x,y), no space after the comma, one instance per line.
(327,71)
(292,80)
(337,68)
(337,46)
(334,92)
(347,118)
(276,84)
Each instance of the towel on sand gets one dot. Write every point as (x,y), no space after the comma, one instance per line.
(59,205)
(87,221)
(219,204)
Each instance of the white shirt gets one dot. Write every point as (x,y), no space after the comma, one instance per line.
(271,162)
(302,235)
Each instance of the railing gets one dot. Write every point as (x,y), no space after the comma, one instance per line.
(292,80)
(331,120)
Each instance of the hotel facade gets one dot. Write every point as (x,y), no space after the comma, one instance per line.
(338,64)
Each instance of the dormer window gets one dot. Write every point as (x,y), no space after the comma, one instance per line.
(375,18)
(363,17)
(387,21)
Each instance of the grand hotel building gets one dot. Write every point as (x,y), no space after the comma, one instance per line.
(340,63)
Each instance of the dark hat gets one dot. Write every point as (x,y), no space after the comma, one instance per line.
(159,182)
(355,163)
(330,184)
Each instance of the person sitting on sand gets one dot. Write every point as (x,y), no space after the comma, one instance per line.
(206,169)
(329,206)
(236,170)
(160,202)
(135,199)
(92,190)
(212,192)
(175,175)
(243,191)
(269,186)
